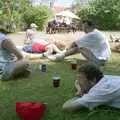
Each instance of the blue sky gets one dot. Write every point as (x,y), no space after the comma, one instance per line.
(64,2)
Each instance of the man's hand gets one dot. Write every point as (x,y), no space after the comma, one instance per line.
(79,91)
(82,87)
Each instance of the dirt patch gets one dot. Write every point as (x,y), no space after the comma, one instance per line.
(63,39)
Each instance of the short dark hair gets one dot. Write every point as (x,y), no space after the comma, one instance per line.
(91,71)
(89,22)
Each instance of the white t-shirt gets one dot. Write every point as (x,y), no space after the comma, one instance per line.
(97,43)
(105,92)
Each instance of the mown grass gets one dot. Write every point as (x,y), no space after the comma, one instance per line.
(38,87)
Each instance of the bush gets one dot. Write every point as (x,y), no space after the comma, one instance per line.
(38,15)
(105,12)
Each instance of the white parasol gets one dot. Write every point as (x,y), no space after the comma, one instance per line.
(67,13)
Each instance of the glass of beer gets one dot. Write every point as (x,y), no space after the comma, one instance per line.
(56,81)
(74,65)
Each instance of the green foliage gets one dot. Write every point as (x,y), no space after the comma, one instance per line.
(38,15)
(105,12)
(38,87)
(83,12)
(12,12)
(21,13)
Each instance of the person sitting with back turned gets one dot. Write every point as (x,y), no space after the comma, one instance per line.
(10,67)
(94,89)
(93,45)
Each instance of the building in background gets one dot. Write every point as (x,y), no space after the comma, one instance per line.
(58,8)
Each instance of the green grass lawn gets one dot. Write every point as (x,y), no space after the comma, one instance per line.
(38,87)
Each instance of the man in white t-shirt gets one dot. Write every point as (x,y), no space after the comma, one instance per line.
(93,45)
(94,89)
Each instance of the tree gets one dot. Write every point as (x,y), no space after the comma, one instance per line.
(105,12)
(38,15)
(21,13)
(12,12)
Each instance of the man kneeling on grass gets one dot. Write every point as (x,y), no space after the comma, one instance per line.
(94,45)
(94,89)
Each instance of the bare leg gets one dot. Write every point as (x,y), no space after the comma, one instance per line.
(52,48)
(55,49)
(69,51)
(21,68)
(49,50)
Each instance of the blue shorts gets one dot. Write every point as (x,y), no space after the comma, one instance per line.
(7,71)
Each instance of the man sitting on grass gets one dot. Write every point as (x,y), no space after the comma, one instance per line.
(93,46)
(94,89)
(12,62)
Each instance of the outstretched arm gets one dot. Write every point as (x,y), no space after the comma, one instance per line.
(71,49)
(72,104)
(102,94)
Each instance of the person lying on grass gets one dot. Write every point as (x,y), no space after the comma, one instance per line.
(94,89)
(45,49)
(12,63)
(34,44)
(93,45)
